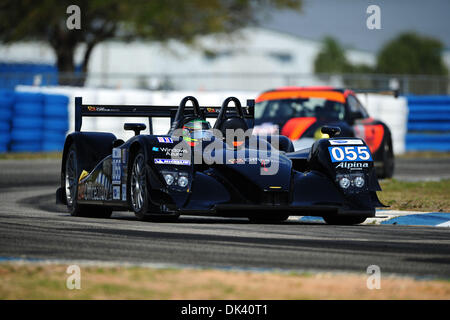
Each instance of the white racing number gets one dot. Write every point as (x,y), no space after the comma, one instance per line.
(350,153)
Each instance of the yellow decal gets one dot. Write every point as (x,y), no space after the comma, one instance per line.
(83,175)
(319,135)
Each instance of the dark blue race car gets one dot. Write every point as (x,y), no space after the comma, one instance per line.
(198,170)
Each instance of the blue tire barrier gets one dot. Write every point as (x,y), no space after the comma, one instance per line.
(28,109)
(422,142)
(56,99)
(26,147)
(55,111)
(29,97)
(27,135)
(5,114)
(7,97)
(54,136)
(56,124)
(428,123)
(52,146)
(6,104)
(27,123)
(428,126)
(5,126)
(3,148)
(5,138)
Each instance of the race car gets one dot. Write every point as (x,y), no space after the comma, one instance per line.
(196,169)
(300,112)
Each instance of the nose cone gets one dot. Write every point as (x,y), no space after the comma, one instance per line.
(268,172)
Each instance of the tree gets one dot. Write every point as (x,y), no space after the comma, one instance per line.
(331,58)
(410,53)
(158,20)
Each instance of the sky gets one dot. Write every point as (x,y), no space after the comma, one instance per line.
(345,20)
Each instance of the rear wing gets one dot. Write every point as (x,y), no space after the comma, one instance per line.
(96,110)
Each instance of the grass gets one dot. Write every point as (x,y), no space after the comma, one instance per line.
(30,155)
(31,281)
(416,196)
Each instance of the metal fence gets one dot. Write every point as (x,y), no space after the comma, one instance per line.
(407,84)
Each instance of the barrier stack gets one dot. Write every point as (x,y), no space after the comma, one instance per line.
(27,122)
(6,104)
(428,123)
(55,122)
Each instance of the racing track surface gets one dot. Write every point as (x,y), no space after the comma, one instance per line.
(32,226)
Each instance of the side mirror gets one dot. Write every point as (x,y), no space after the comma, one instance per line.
(354,115)
(136,127)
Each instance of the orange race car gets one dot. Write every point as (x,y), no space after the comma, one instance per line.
(300,112)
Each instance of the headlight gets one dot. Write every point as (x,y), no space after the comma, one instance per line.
(344,183)
(169,179)
(359,182)
(183,181)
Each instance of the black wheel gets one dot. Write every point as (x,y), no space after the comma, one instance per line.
(70,183)
(388,161)
(268,219)
(335,220)
(137,187)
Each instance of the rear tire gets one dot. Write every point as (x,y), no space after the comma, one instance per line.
(336,220)
(388,161)
(70,184)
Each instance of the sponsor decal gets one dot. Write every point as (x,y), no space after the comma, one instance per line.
(211,109)
(355,153)
(124,192)
(346,142)
(165,140)
(116,166)
(116,154)
(156,149)
(352,165)
(262,162)
(124,156)
(174,152)
(95,192)
(83,175)
(179,162)
(90,108)
(116,192)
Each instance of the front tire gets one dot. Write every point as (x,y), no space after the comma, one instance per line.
(137,187)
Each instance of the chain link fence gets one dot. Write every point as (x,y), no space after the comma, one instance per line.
(407,84)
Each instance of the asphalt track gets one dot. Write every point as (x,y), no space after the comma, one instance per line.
(33,227)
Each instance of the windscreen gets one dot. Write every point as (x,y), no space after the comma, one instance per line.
(280,111)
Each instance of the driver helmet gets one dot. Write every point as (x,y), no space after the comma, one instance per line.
(196,130)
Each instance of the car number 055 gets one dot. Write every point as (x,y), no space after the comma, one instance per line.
(360,153)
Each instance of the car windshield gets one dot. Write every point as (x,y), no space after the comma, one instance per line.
(280,111)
